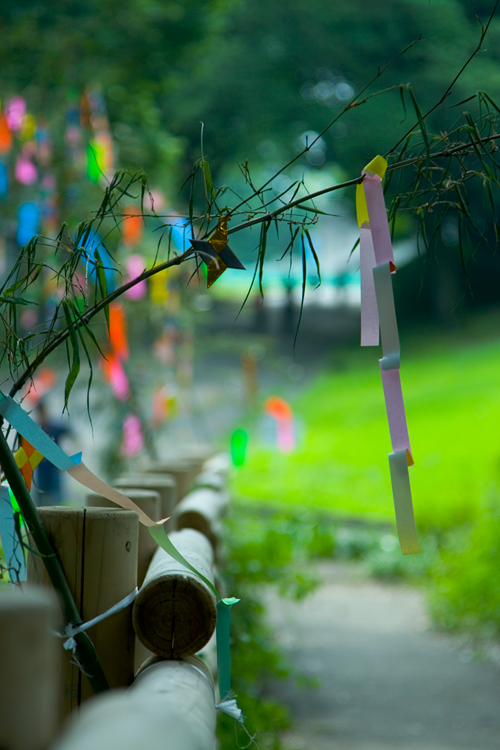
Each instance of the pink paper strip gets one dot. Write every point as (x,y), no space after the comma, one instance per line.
(369,312)
(378,219)
(394,404)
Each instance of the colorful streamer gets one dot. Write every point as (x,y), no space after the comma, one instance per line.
(135,265)
(118,330)
(377,254)
(28,223)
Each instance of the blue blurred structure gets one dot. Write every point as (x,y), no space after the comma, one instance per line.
(28,222)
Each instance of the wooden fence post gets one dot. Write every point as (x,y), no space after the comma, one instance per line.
(149,502)
(218,464)
(164,484)
(30,669)
(201,509)
(97,549)
(182,469)
(170,706)
(175,612)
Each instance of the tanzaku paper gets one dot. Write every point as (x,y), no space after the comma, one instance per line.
(396,415)
(403,506)
(378,315)
(378,220)
(369,312)
(391,351)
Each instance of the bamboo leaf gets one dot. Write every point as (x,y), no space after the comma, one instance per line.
(304,280)
(73,356)
(420,120)
(315,255)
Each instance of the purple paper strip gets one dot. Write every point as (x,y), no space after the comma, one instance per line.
(378,219)
(394,404)
(369,311)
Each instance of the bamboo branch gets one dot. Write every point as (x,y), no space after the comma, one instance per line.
(484,31)
(85,317)
(85,649)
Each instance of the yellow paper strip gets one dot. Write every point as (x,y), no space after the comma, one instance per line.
(378,165)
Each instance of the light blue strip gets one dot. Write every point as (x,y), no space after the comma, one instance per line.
(28,428)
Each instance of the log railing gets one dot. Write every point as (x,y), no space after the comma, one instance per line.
(105,553)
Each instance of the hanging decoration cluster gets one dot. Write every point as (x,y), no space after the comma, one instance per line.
(378,314)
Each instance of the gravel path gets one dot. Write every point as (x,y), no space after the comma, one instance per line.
(387,681)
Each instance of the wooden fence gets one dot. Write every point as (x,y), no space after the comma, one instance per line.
(157,650)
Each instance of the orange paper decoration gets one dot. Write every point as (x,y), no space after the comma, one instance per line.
(132,226)
(118,330)
(5,135)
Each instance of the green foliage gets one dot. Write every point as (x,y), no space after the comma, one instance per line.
(135,51)
(341,463)
(281,63)
(263,556)
(465,590)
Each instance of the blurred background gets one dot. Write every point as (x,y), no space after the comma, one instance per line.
(87,88)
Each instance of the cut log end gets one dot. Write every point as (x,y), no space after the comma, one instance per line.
(175,616)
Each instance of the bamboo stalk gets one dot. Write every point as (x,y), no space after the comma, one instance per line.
(85,650)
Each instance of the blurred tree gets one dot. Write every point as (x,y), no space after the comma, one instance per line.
(135,51)
(273,72)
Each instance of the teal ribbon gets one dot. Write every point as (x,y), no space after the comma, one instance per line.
(223,635)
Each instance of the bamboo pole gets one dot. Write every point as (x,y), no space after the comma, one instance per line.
(175,612)
(30,669)
(97,548)
(201,509)
(170,706)
(164,484)
(149,502)
(85,649)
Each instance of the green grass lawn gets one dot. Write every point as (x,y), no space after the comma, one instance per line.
(452,397)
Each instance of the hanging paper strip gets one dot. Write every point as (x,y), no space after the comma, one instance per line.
(391,350)
(369,312)
(378,312)
(10,538)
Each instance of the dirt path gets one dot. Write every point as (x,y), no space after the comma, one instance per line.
(387,682)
